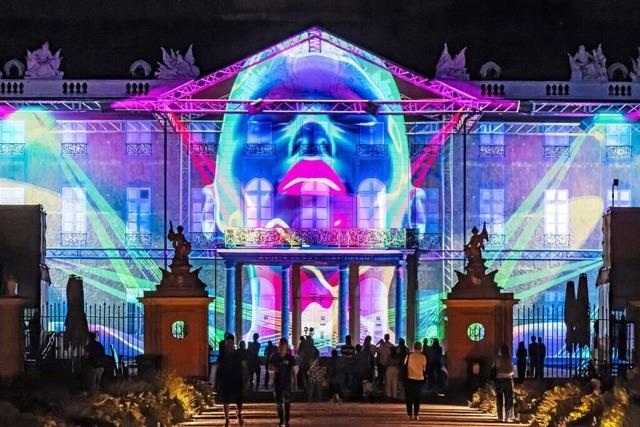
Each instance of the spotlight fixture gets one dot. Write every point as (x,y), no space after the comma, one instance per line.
(255,106)
(615,183)
(372,108)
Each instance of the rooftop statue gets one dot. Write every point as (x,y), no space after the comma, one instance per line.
(174,66)
(451,68)
(588,66)
(635,74)
(41,64)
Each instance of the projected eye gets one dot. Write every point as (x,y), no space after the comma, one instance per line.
(354,121)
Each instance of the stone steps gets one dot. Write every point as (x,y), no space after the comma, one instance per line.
(351,415)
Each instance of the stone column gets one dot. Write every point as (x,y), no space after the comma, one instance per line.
(230,296)
(343,296)
(413,317)
(238,296)
(401,301)
(354,302)
(296,313)
(285,316)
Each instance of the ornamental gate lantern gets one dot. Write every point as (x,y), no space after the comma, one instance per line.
(176,316)
(479,317)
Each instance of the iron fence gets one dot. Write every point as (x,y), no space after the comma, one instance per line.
(611,346)
(119,327)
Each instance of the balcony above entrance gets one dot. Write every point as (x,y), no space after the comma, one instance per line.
(318,238)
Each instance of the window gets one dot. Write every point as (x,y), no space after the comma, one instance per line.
(556,145)
(372,204)
(433,210)
(496,138)
(622,198)
(138,210)
(421,133)
(258,203)
(491,140)
(556,217)
(618,134)
(492,209)
(476,331)
(74,210)
(139,137)
(205,132)
(11,132)
(73,138)
(553,297)
(618,139)
(202,211)
(372,133)
(12,137)
(419,210)
(74,216)
(556,140)
(11,196)
(314,201)
(74,132)
(259,132)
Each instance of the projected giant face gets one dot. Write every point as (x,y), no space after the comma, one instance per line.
(283,169)
(317,169)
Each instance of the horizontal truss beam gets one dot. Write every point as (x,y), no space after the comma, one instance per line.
(580,109)
(54,105)
(429,255)
(288,106)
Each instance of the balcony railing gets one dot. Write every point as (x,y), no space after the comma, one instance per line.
(304,237)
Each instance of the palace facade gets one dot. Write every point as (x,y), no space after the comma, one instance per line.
(321,185)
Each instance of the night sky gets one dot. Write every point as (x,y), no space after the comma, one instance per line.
(529,39)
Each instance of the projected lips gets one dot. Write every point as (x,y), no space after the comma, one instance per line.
(309,171)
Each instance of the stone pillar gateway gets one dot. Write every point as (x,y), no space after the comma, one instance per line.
(176,316)
(11,338)
(479,318)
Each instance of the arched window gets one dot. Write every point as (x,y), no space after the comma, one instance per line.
(314,205)
(258,203)
(372,204)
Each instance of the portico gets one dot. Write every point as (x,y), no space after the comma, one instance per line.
(348,263)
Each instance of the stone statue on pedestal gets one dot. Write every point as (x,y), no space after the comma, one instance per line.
(42,64)
(476,280)
(180,279)
(473,249)
(479,317)
(175,66)
(588,66)
(635,74)
(180,245)
(450,68)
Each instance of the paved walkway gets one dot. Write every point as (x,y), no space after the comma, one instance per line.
(352,415)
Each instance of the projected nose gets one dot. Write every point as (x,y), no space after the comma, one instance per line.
(312,140)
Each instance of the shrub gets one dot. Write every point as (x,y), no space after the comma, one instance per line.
(485,399)
(556,404)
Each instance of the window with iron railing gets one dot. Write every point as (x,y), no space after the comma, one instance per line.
(12,138)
